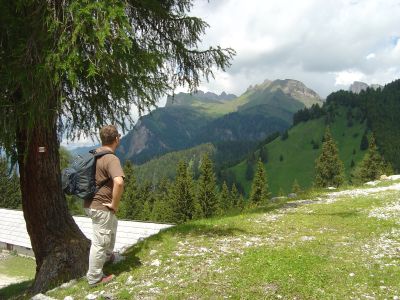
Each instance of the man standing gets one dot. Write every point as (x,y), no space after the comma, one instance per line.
(102,208)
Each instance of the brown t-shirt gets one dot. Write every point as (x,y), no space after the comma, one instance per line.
(108,167)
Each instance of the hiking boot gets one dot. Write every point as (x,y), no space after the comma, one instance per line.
(103,280)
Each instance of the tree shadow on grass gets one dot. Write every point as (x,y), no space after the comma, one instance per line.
(18,291)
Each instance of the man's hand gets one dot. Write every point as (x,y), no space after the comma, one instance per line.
(118,188)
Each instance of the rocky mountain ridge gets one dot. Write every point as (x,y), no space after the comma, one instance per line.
(188,120)
(359,86)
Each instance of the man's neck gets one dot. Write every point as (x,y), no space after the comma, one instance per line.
(109,147)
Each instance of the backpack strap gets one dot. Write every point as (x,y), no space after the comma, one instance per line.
(101,153)
(97,155)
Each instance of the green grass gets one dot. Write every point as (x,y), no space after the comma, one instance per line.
(299,156)
(21,267)
(322,250)
(18,266)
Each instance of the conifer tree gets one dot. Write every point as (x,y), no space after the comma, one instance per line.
(259,190)
(146,212)
(372,165)
(183,198)
(296,187)
(225,201)
(234,195)
(129,207)
(10,194)
(242,203)
(206,193)
(329,169)
(163,205)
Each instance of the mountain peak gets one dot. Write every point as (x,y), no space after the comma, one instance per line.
(357,86)
(207,97)
(290,87)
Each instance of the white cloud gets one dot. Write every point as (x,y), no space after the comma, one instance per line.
(321,42)
(348,77)
(327,44)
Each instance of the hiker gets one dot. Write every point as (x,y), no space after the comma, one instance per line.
(102,208)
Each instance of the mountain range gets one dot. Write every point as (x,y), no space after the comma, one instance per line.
(188,120)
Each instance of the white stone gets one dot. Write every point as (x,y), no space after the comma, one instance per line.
(352,274)
(91,297)
(68,298)
(41,297)
(68,284)
(372,183)
(155,263)
(129,280)
(331,188)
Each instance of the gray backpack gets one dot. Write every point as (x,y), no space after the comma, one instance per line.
(79,178)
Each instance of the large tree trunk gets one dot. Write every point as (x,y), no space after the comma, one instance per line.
(61,250)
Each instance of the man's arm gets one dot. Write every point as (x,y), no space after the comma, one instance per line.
(118,189)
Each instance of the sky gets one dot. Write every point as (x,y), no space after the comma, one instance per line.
(326,44)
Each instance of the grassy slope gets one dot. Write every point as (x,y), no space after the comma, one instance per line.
(299,155)
(328,250)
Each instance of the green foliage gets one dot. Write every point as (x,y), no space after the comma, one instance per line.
(372,166)
(10,194)
(364,142)
(264,154)
(234,196)
(183,194)
(299,155)
(206,193)
(259,190)
(142,49)
(130,207)
(225,200)
(329,169)
(296,187)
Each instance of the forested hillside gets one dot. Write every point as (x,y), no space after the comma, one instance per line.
(189,120)
(351,117)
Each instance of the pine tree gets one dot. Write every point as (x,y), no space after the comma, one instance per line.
(259,190)
(163,205)
(183,198)
(329,169)
(296,187)
(241,204)
(10,194)
(234,195)
(129,200)
(225,201)
(206,194)
(146,212)
(372,165)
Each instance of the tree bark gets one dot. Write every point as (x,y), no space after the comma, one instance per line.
(61,250)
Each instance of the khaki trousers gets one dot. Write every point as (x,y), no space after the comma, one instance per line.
(103,240)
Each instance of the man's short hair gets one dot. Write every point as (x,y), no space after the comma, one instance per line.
(108,134)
